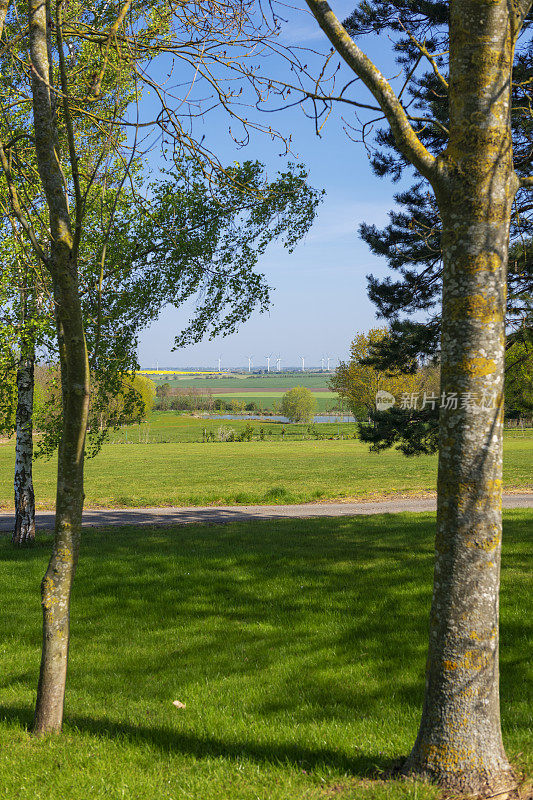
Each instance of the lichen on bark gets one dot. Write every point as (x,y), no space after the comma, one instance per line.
(459,742)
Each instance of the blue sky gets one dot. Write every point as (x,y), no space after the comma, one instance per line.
(319,291)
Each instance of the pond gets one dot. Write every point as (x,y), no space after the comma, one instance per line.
(278,418)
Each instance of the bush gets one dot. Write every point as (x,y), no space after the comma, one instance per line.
(247,433)
(298,404)
(225,434)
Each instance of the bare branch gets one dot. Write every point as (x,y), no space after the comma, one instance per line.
(430,121)
(424,51)
(526,183)
(404,134)
(13,196)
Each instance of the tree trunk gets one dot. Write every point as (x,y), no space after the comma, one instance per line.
(24,532)
(62,264)
(57,583)
(459,743)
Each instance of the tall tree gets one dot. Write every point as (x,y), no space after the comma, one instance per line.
(470,53)
(198,239)
(359,382)
(68,130)
(411,241)
(24,532)
(22,330)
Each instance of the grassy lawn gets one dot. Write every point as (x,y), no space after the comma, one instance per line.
(298,647)
(169,426)
(280,471)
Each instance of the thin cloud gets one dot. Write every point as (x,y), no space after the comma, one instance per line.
(342,220)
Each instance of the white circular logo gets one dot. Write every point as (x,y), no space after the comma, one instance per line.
(384,400)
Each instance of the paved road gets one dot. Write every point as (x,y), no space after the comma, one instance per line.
(221,514)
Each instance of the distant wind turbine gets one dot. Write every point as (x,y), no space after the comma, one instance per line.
(303,363)
(278,363)
(250,363)
(219,360)
(268,362)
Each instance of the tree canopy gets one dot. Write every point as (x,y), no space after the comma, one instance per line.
(358,382)
(75,119)
(298,404)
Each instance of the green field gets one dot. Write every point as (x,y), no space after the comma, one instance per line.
(169,426)
(325,401)
(277,394)
(297,646)
(248,389)
(283,381)
(285,470)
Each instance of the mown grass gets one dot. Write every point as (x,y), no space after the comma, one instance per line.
(272,472)
(170,426)
(297,646)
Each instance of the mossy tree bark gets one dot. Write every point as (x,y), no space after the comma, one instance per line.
(62,264)
(459,743)
(57,582)
(459,740)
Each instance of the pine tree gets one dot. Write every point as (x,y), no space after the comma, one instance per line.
(411,241)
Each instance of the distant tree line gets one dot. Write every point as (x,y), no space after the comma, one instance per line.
(132,402)
(171,398)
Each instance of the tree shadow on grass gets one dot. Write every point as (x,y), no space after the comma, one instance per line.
(168,741)
(296,603)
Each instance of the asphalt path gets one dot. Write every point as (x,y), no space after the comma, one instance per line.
(93,518)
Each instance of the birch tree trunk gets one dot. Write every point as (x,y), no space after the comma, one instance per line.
(459,742)
(24,532)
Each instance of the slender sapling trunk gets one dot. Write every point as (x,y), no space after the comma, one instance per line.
(24,532)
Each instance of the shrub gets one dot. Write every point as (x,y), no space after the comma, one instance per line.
(225,434)
(298,404)
(247,433)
